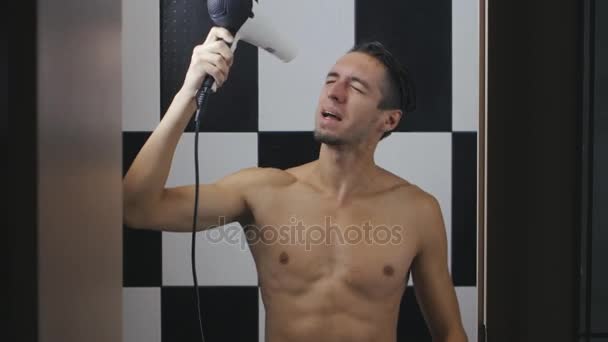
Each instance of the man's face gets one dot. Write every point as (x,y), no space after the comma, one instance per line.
(352,92)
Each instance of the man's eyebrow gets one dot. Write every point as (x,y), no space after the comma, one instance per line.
(332,74)
(353,78)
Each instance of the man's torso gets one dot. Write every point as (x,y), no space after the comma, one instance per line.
(329,271)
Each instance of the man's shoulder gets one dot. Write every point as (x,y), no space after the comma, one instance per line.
(425,215)
(265,176)
(414,198)
(402,188)
(423,203)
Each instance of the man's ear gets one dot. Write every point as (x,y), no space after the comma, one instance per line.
(391,119)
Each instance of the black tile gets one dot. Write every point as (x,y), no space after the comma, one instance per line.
(419,35)
(142,258)
(464,208)
(411,325)
(286,149)
(229,313)
(132,142)
(234,108)
(142,250)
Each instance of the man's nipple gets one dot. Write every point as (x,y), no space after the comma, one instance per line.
(283,258)
(388,270)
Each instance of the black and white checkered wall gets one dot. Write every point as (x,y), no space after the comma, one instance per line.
(264,116)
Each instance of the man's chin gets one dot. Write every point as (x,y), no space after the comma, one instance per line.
(327,139)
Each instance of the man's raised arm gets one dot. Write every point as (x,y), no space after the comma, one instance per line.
(147,203)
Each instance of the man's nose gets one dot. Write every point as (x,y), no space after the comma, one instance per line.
(337,91)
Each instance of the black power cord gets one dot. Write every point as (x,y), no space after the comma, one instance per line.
(201,102)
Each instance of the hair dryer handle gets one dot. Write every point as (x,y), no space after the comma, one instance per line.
(207,82)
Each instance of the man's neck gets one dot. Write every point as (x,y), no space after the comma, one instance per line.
(345,171)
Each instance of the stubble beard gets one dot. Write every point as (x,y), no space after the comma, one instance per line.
(328,139)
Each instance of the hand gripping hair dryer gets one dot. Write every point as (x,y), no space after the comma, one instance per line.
(247,23)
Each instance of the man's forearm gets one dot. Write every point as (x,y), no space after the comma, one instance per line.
(146,178)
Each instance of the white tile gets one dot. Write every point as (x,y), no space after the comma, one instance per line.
(465,65)
(222,254)
(322,31)
(467,300)
(222,258)
(424,159)
(140,65)
(141,314)
(219,154)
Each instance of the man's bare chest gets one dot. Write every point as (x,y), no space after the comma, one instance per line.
(299,240)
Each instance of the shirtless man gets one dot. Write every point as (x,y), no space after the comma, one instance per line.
(343,289)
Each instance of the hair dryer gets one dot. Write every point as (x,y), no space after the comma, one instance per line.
(240,18)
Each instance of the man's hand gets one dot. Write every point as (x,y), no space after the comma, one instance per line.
(213,57)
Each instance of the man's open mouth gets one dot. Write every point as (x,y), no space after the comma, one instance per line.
(330,115)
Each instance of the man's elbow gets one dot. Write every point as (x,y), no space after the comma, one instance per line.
(135,214)
(131,216)
(136,208)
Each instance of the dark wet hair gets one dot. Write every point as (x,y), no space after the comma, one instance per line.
(400,92)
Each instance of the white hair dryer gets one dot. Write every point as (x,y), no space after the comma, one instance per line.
(240,18)
(258,31)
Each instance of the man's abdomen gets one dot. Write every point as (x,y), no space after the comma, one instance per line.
(330,311)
